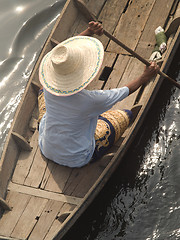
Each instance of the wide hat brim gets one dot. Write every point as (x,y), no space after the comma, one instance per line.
(60,84)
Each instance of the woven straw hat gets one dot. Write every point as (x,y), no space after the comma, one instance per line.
(71,65)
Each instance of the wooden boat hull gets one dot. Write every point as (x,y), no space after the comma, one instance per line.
(46,199)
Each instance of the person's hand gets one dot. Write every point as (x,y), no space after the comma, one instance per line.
(151,71)
(95,28)
(148,74)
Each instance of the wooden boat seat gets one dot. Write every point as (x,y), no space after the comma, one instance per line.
(56,190)
(39,172)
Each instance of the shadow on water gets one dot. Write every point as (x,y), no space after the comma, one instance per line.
(141,200)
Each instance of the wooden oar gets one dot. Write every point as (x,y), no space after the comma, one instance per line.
(90,17)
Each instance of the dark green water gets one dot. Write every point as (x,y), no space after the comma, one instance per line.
(142,199)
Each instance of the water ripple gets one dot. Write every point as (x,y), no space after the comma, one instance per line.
(23,52)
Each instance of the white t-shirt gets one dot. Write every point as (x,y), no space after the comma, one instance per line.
(66,131)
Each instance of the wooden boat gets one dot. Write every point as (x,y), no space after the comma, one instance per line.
(40,199)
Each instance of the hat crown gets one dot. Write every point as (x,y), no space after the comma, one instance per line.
(66,59)
(71,65)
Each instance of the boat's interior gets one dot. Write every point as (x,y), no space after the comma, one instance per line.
(41,194)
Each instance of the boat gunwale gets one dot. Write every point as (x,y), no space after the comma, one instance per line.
(116,159)
(3,161)
(114,163)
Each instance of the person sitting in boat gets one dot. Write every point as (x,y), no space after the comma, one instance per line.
(78,126)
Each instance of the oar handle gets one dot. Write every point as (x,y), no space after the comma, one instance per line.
(110,36)
(169,78)
(139,57)
(90,17)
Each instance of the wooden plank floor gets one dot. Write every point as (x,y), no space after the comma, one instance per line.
(41,191)
(38,172)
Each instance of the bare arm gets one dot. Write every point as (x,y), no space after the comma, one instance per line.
(147,75)
(149,72)
(93,28)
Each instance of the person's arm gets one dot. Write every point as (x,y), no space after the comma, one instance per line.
(147,75)
(93,28)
